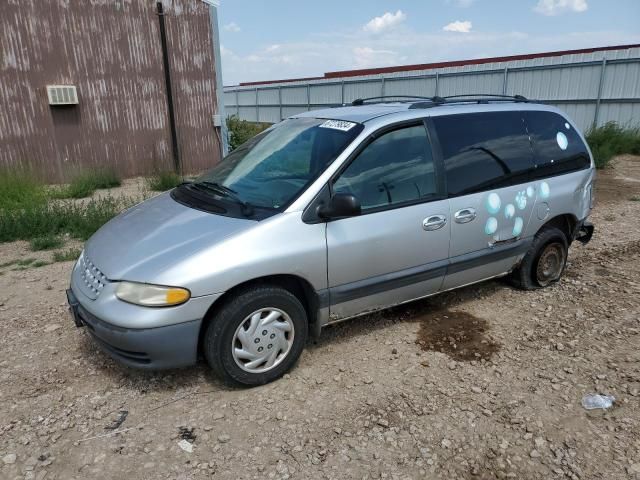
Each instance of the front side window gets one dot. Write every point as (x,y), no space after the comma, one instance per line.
(271,169)
(558,146)
(395,168)
(483,151)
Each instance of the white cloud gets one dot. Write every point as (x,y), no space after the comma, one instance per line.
(385,22)
(232,27)
(458,26)
(556,7)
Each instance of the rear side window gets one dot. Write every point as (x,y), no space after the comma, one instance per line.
(483,151)
(557,145)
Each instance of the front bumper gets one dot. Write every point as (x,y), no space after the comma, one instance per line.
(168,346)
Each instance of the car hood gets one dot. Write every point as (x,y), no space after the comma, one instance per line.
(154,235)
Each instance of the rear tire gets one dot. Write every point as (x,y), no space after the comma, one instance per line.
(544,262)
(256,336)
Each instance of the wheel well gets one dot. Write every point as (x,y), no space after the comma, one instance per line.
(298,286)
(565,223)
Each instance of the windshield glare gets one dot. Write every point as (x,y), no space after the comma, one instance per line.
(272,168)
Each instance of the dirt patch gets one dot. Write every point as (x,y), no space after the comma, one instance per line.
(460,335)
(620,183)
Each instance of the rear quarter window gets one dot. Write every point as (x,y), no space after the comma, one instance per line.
(557,145)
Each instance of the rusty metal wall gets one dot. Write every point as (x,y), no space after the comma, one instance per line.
(109,49)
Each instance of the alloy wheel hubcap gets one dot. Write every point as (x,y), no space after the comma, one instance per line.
(263,340)
(550,264)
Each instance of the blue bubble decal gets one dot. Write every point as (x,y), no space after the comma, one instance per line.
(567,126)
(509,211)
(521,200)
(563,141)
(493,203)
(544,190)
(530,191)
(491,226)
(517,227)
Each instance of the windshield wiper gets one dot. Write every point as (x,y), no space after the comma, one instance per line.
(224,191)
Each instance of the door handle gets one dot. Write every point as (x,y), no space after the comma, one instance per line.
(434,222)
(465,215)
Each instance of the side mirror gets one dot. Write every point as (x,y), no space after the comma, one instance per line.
(340,205)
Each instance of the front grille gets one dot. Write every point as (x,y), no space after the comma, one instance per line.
(92,277)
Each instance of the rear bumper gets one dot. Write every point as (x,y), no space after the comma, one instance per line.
(584,232)
(163,347)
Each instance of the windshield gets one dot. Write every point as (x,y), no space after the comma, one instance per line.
(272,168)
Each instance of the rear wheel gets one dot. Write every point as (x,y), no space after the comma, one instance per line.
(256,336)
(544,262)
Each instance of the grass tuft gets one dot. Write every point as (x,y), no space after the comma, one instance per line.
(162,181)
(84,184)
(67,256)
(18,188)
(610,140)
(46,242)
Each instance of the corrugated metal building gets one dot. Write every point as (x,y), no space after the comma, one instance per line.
(594,85)
(111,51)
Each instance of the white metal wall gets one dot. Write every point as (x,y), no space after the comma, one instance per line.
(593,88)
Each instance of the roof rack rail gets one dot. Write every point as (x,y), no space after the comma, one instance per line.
(405,98)
(470,98)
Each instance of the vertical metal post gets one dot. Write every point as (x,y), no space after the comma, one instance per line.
(596,114)
(437,92)
(504,80)
(237,104)
(280,100)
(342,92)
(382,86)
(308,97)
(257,107)
(167,79)
(220,110)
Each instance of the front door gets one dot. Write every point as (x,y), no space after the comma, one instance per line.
(488,162)
(397,249)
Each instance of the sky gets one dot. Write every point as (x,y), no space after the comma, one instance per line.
(280,39)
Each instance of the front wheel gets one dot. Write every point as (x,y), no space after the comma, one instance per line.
(544,262)
(256,336)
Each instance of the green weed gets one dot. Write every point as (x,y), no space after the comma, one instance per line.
(161,181)
(610,140)
(67,256)
(46,242)
(19,189)
(84,184)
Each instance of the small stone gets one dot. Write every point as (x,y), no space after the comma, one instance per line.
(476,389)
(394,351)
(540,442)
(452,365)
(383,423)
(52,327)
(445,443)
(186,446)
(560,346)
(218,416)
(534,454)
(224,438)
(368,380)
(9,458)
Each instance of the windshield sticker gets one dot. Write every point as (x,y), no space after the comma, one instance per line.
(338,125)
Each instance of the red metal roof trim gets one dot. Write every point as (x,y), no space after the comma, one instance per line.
(455,63)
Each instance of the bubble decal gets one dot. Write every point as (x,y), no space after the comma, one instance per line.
(567,126)
(521,200)
(491,226)
(530,191)
(544,190)
(562,140)
(509,211)
(517,227)
(493,203)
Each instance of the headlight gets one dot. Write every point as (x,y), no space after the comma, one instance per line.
(151,295)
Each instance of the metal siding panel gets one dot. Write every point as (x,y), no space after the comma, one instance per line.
(626,114)
(247,97)
(326,94)
(425,87)
(291,111)
(476,83)
(269,114)
(622,80)
(294,95)
(229,98)
(356,90)
(248,113)
(268,97)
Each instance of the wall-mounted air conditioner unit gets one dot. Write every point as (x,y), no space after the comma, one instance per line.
(62,95)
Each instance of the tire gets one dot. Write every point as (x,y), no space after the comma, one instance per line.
(544,262)
(259,323)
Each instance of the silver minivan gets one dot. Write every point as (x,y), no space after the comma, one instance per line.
(329,215)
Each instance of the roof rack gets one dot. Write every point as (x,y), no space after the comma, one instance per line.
(426,102)
(387,99)
(469,98)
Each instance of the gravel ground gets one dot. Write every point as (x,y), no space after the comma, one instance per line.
(484,382)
